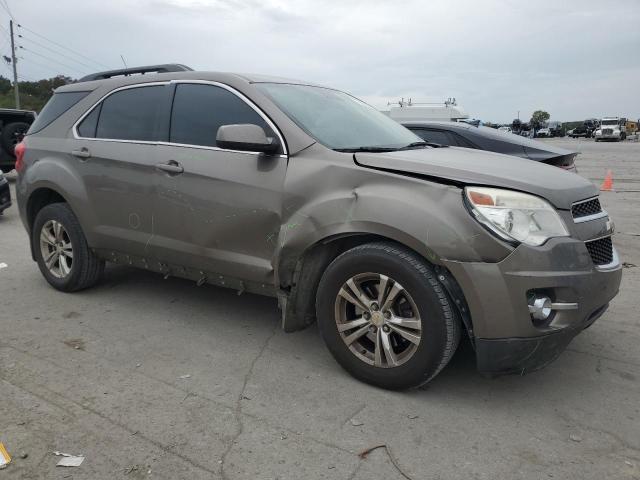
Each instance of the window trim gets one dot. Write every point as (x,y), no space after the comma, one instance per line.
(241,96)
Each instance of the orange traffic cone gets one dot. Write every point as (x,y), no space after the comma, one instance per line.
(607,185)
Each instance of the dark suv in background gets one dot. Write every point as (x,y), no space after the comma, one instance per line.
(306,194)
(13,125)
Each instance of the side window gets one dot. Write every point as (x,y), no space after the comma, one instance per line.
(199,110)
(87,127)
(460,141)
(130,114)
(56,106)
(435,136)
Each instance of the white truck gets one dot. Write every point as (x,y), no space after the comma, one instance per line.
(408,111)
(611,128)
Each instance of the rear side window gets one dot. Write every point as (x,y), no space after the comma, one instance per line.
(460,141)
(434,136)
(199,110)
(56,106)
(127,115)
(88,126)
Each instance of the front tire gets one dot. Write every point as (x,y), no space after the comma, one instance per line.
(61,250)
(385,317)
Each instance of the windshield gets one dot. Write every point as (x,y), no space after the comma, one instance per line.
(609,122)
(337,120)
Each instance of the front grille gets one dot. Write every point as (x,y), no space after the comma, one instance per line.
(601,251)
(586,208)
(607,131)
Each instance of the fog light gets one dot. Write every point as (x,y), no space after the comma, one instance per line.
(540,307)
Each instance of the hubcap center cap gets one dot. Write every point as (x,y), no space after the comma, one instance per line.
(377,319)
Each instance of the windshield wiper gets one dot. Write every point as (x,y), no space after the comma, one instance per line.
(366,149)
(422,144)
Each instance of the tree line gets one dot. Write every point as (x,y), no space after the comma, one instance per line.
(33,95)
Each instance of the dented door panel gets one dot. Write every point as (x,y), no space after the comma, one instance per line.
(219,213)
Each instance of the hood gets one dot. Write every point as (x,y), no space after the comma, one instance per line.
(477,167)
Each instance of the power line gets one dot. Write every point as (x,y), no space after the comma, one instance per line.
(4,32)
(5,5)
(63,47)
(57,53)
(51,60)
(44,68)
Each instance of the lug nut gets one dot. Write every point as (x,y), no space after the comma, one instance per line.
(387,315)
(374,307)
(367,316)
(373,329)
(386,329)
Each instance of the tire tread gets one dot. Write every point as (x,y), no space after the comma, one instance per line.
(91,267)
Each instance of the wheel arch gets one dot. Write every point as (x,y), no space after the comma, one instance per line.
(298,298)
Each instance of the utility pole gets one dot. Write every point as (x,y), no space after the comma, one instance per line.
(14,61)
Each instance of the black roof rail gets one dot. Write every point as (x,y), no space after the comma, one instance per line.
(165,68)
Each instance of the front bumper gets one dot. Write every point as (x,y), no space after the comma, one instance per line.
(506,338)
(5,196)
(608,137)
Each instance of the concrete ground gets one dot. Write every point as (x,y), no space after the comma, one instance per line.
(160,379)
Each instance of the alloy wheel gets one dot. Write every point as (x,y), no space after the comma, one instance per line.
(378,320)
(56,249)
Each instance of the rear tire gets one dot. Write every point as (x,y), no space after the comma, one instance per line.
(408,357)
(61,250)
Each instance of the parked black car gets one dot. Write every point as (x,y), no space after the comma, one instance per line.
(586,130)
(457,134)
(13,125)
(5,194)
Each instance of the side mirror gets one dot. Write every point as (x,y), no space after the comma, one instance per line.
(247,138)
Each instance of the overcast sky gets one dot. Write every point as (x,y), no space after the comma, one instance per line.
(575,59)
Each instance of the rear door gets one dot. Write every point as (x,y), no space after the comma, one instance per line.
(114,150)
(220,210)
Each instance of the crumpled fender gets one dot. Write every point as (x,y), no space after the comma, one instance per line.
(329,198)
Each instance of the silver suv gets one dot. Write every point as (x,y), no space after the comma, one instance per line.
(393,245)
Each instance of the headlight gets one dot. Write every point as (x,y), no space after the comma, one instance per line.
(515,216)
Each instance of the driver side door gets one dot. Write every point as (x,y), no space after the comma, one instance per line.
(216,210)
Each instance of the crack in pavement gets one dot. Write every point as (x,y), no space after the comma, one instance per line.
(139,435)
(355,470)
(215,402)
(591,354)
(360,409)
(238,406)
(569,419)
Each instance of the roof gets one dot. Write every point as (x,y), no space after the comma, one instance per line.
(131,76)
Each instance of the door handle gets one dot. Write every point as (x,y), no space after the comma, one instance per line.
(82,153)
(171,167)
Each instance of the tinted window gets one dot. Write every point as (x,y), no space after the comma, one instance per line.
(130,114)
(435,136)
(199,110)
(460,141)
(336,119)
(56,106)
(87,127)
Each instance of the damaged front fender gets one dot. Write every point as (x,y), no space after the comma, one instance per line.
(337,199)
